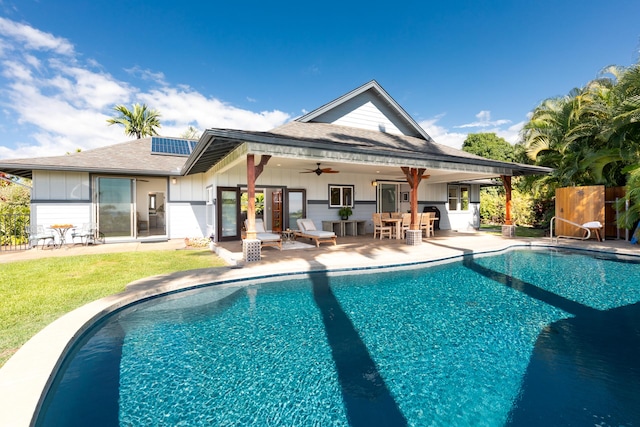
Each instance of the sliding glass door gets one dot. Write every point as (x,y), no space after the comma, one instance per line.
(115,206)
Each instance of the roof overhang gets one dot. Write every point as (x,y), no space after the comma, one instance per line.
(219,149)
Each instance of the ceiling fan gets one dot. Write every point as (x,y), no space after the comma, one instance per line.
(319,171)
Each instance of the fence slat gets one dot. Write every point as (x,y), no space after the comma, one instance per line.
(13,233)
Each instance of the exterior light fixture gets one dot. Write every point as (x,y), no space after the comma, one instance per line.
(374,183)
(174,181)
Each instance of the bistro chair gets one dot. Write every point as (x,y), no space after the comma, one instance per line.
(87,233)
(37,234)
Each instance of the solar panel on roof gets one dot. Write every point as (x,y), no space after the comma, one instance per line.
(177,147)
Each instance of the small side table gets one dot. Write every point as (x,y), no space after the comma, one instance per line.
(288,236)
(62,232)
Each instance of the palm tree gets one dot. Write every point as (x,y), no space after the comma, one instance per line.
(140,122)
(591,136)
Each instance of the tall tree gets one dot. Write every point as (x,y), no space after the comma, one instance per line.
(140,122)
(591,136)
(489,146)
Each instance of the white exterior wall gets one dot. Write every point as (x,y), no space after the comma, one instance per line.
(60,198)
(47,214)
(51,185)
(186,220)
(465,220)
(186,214)
(317,189)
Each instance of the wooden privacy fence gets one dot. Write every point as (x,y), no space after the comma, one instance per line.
(585,204)
(13,233)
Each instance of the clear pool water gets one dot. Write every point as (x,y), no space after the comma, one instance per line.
(521,338)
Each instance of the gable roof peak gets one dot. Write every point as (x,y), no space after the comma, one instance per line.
(374,87)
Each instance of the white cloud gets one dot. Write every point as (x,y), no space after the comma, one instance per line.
(441,135)
(34,39)
(512,133)
(444,136)
(57,103)
(484,120)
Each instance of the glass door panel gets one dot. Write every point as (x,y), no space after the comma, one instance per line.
(387,197)
(228,213)
(295,207)
(115,207)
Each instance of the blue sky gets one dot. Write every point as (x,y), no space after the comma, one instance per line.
(456,67)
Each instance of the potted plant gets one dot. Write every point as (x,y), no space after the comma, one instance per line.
(345,212)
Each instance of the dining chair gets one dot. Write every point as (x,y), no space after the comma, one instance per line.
(379,227)
(406,224)
(426,223)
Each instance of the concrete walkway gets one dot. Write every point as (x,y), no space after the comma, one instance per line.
(30,371)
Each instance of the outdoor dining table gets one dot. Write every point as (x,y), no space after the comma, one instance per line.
(397,222)
(62,232)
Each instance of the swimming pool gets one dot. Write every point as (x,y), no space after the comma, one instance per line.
(520,338)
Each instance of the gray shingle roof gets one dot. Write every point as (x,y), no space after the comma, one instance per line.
(132,157)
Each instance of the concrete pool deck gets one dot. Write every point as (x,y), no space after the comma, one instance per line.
(24,377)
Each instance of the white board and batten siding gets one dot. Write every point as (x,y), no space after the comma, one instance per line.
(51,196)
(186,209)
(187,220)
(51,185)
(366,112)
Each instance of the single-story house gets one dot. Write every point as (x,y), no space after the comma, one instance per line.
(359,150)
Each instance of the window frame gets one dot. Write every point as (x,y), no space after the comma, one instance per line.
(346,195)
(459,198)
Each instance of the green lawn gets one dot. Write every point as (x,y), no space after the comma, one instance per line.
(34,293)
(521,231)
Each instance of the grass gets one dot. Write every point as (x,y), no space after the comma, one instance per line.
(521,231)
(34,293)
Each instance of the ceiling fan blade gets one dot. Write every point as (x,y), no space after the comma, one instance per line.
(329,171)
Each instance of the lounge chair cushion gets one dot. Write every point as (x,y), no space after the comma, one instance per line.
(307,227)
(268,237)
(260,226)
(592,224)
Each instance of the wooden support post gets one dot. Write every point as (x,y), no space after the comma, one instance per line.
(506,182)
(253,172)
(414,176)
(251,197)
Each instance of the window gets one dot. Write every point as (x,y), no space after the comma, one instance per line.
(152,202)
(340,195)
(459,197)
(209,208)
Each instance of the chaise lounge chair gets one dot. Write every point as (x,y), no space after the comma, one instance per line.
(266,238)
(307,229)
